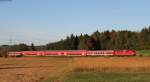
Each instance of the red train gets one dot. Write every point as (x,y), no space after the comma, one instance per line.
(74,53)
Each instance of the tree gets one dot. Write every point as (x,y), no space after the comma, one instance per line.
(145,38)
(32,47)
(20,47)
(82,43)
(96,40)
(4,50)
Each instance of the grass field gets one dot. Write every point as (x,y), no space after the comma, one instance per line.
(75,69)
(107,77)
(34,69)
(110,69)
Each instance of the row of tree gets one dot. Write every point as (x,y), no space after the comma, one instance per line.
(97,41)
(18,47)
(105,40)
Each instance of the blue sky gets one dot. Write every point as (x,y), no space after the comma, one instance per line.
(43,21)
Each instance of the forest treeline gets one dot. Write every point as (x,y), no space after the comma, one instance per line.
(107,40)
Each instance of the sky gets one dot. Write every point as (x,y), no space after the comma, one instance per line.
(44,21)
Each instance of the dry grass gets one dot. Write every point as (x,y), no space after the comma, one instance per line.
(113,64)
(36,69)
(30,69)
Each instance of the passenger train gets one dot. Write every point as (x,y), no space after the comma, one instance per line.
(74,53)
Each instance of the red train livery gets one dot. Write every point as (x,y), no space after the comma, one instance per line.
(74,53)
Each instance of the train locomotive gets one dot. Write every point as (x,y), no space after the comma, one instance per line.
(74,53)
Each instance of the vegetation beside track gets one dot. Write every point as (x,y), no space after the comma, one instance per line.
(143,52)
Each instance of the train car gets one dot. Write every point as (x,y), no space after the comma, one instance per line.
(14,54)
(33,53)
(29,53)
(75,52)
(66,53)
(42,53)
(101,53)
(54,53)
(124,53)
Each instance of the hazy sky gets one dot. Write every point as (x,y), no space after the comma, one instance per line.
(43,21)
